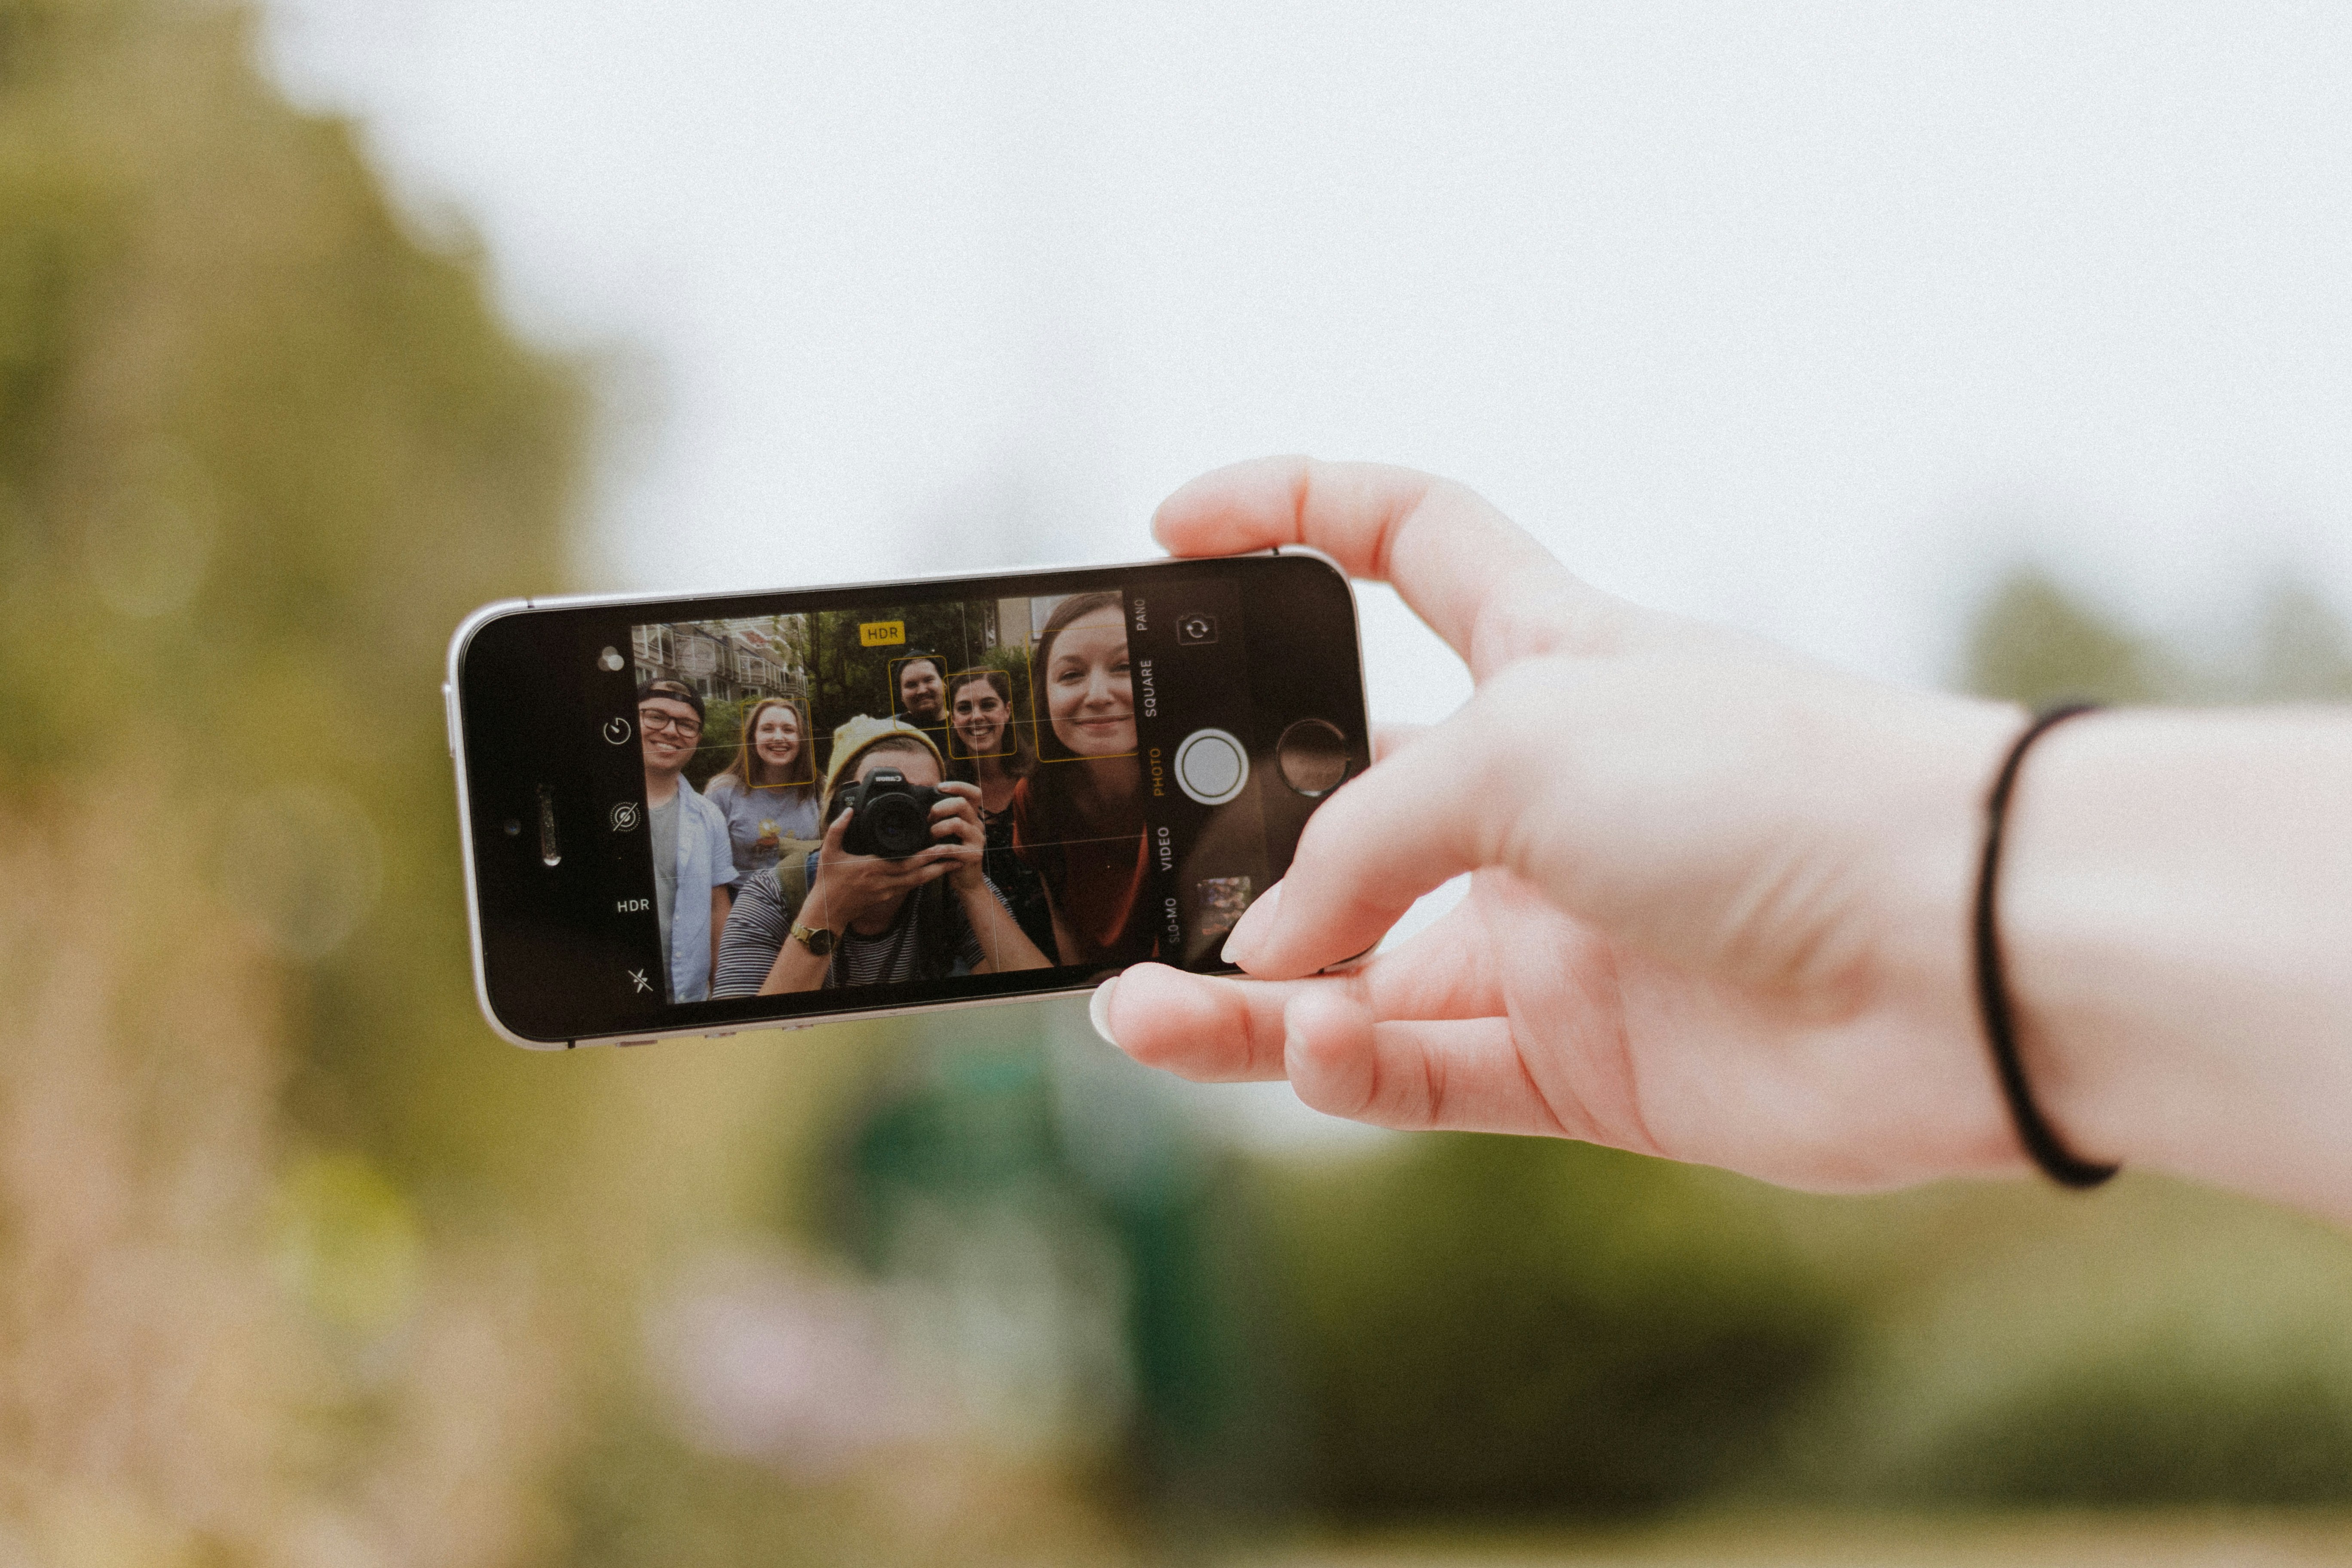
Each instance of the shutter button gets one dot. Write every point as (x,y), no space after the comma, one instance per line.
(1212,766)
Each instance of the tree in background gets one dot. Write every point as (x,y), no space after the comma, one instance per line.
(2035,642)
(298,1262)
(258,448)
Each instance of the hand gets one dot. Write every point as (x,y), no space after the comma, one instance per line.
(1719,900)
(955,823)
(849,887)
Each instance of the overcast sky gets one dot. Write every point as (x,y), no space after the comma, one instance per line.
(1804,317)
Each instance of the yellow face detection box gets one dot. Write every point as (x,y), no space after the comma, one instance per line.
(881,634)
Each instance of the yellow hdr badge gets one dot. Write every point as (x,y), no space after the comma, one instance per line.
(881,634)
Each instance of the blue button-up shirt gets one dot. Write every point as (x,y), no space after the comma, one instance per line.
(705,860)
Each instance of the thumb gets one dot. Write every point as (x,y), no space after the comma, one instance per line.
(1421,815)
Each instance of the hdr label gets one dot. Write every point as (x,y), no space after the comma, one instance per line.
(881,634)
(632,906)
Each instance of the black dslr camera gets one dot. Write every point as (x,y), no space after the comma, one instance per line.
(894,817)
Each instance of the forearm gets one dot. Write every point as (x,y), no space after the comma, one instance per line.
(1007,946)
(2175,910)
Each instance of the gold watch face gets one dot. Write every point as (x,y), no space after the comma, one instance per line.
(818,941)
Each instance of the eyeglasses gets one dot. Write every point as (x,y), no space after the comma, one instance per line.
(653,722)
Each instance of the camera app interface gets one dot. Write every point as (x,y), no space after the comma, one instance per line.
(906,794)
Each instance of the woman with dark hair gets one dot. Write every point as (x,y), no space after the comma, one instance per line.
(1077,818)
(987,748)
(767,793)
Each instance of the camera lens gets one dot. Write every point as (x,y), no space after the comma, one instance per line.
(897,826)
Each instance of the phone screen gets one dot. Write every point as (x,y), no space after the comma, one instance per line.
(847,801)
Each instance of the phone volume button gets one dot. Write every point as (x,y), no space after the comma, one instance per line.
(449,715)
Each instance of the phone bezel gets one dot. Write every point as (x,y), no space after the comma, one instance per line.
(453,691)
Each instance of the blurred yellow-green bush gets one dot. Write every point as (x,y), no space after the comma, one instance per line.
(268,1295)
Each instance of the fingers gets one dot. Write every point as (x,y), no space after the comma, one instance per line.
(1210,1031)
(1330,1039)
(831,857)
(1464,1074)
(925,863)
(882,876)
(1390,739)
(1481,583)
(959,817)
(1217,1030)
(1412,821)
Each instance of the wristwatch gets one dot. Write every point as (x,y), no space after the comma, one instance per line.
(816,939)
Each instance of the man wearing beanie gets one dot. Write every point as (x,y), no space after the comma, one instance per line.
(828,918)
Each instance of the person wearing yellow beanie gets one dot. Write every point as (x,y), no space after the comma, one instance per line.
(869,919)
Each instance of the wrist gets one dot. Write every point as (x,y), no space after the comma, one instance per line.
(819,910)
(1921,813)
(2177,906)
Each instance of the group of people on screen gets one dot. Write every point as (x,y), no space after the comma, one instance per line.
(1038,852)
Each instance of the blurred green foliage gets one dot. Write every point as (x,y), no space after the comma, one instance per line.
(2036,644)
(260,445)
(1512,1325)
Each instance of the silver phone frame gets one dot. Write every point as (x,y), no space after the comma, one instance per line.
(452,711)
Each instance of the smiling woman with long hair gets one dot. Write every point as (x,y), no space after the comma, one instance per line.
(769,792)
(1077,818)
(986,744)
(990,748)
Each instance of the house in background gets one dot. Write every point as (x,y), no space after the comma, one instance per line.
(726,661)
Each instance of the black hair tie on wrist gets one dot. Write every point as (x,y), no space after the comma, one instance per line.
(2041,1141)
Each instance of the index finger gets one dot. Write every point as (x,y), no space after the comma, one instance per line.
(1481,581)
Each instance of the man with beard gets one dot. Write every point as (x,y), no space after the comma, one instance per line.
(922,692)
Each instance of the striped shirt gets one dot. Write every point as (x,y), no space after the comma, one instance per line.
(929,940)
